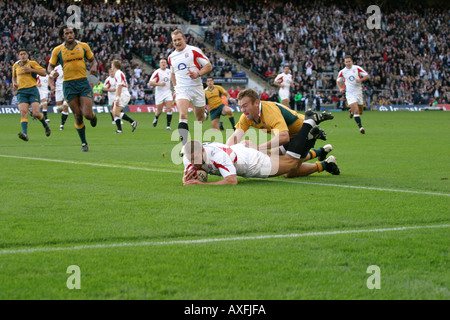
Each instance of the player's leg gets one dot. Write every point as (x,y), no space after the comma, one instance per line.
(117,112)
(86,109)
(122,103)
(159,108)
(199,113)
(36,111)
(169,113)
(226,111)
(305,169)
(353,105)
(74,104)
(23,108)
(44,105)
(215,123)
(183,127)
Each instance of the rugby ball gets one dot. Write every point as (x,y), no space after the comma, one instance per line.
(200,175)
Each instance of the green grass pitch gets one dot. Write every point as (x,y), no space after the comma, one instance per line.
(121,215)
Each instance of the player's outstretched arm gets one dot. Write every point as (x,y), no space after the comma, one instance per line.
(231,179)
(236,137)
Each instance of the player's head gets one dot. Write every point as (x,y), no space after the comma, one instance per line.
(178,39)
(286,69)
(23,54)
(163,64)
(210,82)
(248,101)
(193,151)
(348,60)
(116,65)
(111,72)
(68,34)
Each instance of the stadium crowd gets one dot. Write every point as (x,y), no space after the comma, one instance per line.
(408,58)
(113,31)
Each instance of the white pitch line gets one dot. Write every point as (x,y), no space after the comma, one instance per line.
(272,180)
(200,241)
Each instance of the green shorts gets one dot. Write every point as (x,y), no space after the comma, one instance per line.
(28,95)
(77,88)
(217,112)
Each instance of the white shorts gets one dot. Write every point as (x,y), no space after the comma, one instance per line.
(251,163)
(160,98)
(354,97)
(123,101)
(195,95)
(43,94)
(284,94)
(59,95)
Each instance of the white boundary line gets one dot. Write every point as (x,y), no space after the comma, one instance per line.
(272,180)
(201,241)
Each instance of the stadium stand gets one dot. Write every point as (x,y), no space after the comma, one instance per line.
(408,58)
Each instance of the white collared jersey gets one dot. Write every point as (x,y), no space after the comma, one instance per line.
(120,79)
(348,76)
(191,58)
(160,76)
(58,80)
(43,82)
(285,80)
(237,159)
(110,83)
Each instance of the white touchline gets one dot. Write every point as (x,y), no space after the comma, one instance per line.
(272,180)
(200,241)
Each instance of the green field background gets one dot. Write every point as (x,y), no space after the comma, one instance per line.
(120,212)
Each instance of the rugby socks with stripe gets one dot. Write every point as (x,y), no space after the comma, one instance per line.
(125,117)
(81,129)
(64,116)
(357,120)
(42,120)
(183,131)
(169,118)
(24,125)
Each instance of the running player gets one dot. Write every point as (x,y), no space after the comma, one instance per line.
(160,79)
(110,87)
(121,98)
(285,82)
(72,55)
(214,95)
(42,85)
(24,72)
(353,75)
(187,65)
(56,85)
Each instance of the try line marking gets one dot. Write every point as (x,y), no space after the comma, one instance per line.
(272,180)
(200,241)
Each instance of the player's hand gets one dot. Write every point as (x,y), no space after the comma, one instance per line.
(52,88)
(191,182)
(358,80)
(93,72)
(342,90)
(193,74)
(189,175)
(249,144)
(15,86)
(27,69)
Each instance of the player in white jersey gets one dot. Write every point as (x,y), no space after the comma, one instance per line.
(187,65)
(110,87)
(285,82)
(352,76)
(121,98)
(240,160)
(42,84)
(55,80)
(160,79)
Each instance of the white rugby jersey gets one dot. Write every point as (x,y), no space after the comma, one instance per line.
(348,76)
(160,76)
(43,81)
(223,160)
(58,80)
(110,83)
(191,58)
(285,80)
(120,80)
